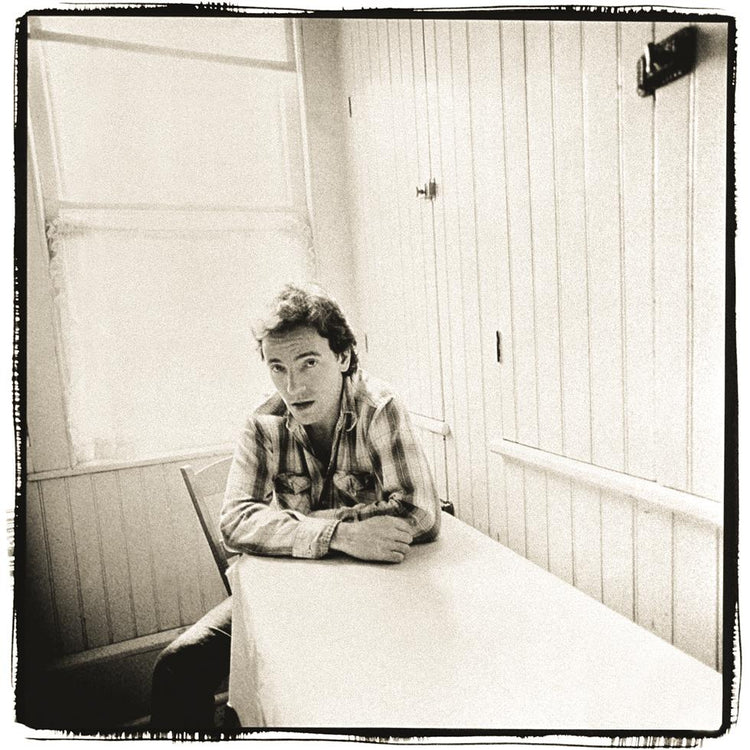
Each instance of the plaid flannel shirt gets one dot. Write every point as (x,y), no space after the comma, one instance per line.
(277,499)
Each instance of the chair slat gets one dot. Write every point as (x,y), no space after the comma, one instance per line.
(205,486)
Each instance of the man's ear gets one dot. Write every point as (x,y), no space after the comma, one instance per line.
(344,360)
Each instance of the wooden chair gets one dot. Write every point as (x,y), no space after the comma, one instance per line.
(206,489)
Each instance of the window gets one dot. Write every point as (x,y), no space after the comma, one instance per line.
(170,161)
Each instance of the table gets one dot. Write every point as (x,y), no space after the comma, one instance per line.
(464,634)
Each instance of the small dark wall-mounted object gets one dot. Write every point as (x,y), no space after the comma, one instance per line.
(671,58)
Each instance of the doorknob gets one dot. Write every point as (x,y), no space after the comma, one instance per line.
(428,191)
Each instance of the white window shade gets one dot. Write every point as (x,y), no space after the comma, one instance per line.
(135,128)
(171,155)
(157,346)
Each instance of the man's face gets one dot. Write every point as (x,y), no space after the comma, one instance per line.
(307,374)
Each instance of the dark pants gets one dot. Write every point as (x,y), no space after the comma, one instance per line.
(189,670)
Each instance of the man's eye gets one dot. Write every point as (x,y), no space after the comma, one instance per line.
(276,369)
(311,363)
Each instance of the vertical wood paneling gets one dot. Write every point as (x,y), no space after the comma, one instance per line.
(41,631)
(491,224)
(654,570)
(535,490)
(379,244)
(671,238)
(469,327)
(85,521)
(587,548)
(637,156)
(555,187)
(116,557)
(439,471)
(394,303)
(408,222)
(187,536)
(63,564)
(567,105)
(368,196)
(709,262)
(560,527)
(450,253)
(444,231)
(599,57)
(358,169)
(515,503)
(523,340)
(617,553)
(416,94)
(161,536)
(695,595)
(140,552)
(498,515)
(544,233)
(490,221)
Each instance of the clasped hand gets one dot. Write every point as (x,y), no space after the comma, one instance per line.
(381,538)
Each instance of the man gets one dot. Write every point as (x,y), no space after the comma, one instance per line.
(330,463)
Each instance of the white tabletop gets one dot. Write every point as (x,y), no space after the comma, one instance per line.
(464,634)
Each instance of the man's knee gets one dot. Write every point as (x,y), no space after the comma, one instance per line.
(178,661)
(167,664)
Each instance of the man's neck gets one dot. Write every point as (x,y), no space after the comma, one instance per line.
(321,439)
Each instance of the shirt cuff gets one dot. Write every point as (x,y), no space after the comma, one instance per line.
(313,537)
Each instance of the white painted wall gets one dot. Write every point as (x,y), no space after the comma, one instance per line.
(584,225)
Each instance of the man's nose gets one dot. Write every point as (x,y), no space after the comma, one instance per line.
(294,384)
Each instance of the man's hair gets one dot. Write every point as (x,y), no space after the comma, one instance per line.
(298,305)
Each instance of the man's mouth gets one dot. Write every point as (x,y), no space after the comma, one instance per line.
(302,404)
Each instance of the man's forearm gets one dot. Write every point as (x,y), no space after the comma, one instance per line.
(254,528)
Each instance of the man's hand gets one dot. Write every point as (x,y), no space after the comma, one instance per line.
(382,538)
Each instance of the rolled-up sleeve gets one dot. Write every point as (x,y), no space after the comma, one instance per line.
(408,489)
(248,523)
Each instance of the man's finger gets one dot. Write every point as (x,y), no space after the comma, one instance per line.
(401,547)
(402,525)
(403,536)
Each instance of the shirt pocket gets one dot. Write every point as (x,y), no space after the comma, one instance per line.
(293,491)
(355,487)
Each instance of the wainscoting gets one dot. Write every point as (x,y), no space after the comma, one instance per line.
(563,289)
(652,555)
(113,555)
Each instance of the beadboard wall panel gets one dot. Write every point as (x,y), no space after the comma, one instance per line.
(658,568)
(541,200)
(114,555)
(571,233)
(708,226)
(672,277)
(570,302)
(637,214)
(603,246)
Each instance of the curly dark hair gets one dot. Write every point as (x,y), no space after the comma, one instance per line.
(309,305)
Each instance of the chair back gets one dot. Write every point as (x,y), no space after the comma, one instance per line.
(206,490)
